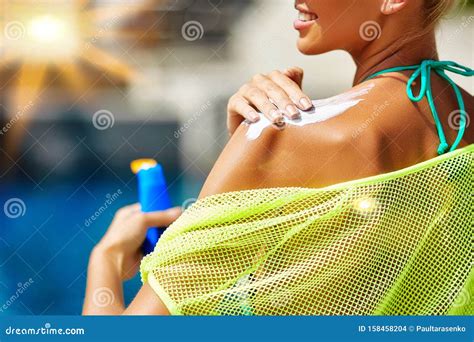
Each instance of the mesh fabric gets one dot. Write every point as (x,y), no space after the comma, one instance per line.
(395,244)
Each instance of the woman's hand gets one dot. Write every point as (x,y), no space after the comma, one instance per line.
(122,242)
(275,95)
(117,258)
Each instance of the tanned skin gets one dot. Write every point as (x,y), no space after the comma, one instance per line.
(400,134)
(383,133)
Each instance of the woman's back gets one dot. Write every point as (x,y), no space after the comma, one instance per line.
(225,254)
(383,132)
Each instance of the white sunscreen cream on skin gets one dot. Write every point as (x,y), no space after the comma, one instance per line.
(322,110)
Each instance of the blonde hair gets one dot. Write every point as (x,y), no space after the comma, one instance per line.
(434,11)
(437,9)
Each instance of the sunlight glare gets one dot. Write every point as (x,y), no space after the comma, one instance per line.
(47,29)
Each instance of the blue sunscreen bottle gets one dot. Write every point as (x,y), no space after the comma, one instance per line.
(153,196)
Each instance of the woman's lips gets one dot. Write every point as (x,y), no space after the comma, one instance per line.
(301,25)
(305,20)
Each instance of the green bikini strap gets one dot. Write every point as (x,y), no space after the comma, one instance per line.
(423,71)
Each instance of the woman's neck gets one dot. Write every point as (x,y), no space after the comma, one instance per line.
(386,54)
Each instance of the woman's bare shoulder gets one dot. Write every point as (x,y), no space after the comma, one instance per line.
(315,153)
(395,112)
(348,137)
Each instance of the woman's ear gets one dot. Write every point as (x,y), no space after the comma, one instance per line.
(392,6)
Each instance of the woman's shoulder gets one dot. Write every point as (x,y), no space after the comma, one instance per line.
(392,112)
(370,129)
(403,130)
(321,148)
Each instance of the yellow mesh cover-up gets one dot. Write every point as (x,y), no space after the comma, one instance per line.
(394,244)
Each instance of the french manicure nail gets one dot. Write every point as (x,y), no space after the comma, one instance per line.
(306,103)
(293,111)
(275,115)
(253,116)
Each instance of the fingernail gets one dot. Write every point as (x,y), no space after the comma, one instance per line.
(276,115)
(293,111)
(254,117)
(306,103)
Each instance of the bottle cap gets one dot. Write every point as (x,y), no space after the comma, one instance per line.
(142,164)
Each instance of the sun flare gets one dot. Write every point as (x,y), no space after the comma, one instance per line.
(39,36)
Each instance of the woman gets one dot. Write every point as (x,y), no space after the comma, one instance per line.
(372,129)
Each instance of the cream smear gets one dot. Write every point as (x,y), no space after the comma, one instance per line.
(322,110)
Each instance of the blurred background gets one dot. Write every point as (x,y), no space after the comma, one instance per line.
(87,86)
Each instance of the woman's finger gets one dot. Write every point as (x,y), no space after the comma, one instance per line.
(127,211)
(260,100)
(238,110)
(279,97)
(296,74)
(130,207)
(161,218)
(293,90)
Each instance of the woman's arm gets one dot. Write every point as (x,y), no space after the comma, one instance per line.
(104,295)
(116,258)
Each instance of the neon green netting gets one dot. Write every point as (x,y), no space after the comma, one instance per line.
(395,244)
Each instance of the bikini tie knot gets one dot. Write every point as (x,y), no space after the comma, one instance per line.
(422,72)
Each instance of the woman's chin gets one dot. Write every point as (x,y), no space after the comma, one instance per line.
(309,47)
